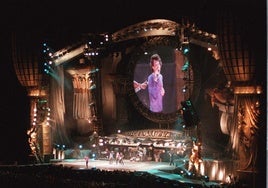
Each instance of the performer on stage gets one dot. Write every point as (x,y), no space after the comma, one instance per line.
(195,159)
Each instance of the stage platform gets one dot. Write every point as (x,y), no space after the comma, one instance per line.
(160,169)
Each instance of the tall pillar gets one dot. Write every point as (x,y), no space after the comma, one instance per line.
(120,87)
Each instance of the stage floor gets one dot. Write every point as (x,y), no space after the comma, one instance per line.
(105,165)
(160,169)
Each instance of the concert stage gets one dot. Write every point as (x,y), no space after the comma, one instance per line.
(160,169)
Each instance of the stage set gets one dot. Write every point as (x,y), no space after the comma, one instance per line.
(97,97)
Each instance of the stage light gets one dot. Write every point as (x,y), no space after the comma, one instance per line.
(93,155)
(184,89)
(46,71)
(185,51)
(189,114)
(185,67)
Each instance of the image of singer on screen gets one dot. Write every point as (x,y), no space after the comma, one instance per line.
(154,83)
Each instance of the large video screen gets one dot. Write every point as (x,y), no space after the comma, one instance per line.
(158,79)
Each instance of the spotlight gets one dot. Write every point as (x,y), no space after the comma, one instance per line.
(185,67)
(185,51)
(184,89)
(185,48)
(189,114)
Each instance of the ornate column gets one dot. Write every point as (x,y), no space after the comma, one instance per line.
(85,100)
(121,89)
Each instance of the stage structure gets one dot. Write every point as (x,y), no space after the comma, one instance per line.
(94,78)
(99,69)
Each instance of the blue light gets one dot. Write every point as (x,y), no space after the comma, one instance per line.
(46,71)
(185,51)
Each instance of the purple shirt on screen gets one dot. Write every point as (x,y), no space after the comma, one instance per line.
(155,85)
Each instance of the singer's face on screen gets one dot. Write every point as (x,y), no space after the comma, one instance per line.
(156,67)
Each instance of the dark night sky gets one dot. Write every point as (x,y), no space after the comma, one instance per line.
(62,20)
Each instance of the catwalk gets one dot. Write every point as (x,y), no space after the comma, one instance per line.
(160,169)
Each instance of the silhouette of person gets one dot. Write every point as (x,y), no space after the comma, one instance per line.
(86,159)
(111,157)
(171,158)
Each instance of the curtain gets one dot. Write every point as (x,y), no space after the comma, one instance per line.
(247,121)
(57,105)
